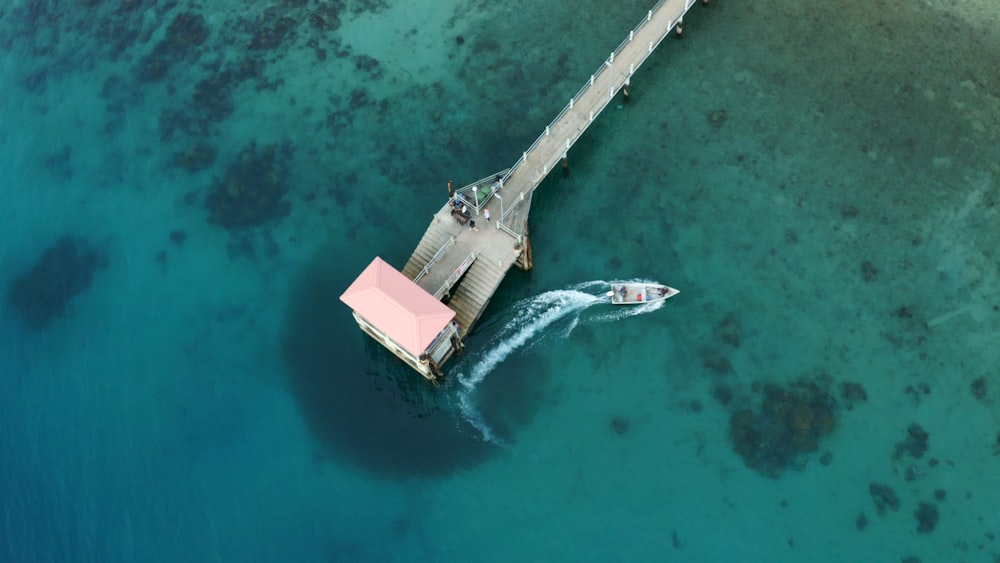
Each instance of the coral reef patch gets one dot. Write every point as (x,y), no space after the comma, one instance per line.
(211,102)
(915,444)
(826,458)
(884,498)
(730,331)
(979,388)
(917,393)
(852,393)
(789,423)
(178,237)
(716,361)
(619,425)
(723,394)
(927,517)
(61,273)
(196,158)
(253,190)
(868,271)
(183,36)
(272,31)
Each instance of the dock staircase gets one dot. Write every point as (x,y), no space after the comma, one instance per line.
(471,296)
(441,261)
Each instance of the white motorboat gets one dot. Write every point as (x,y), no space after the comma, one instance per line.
(637,293)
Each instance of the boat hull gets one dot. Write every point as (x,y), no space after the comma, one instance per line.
(639,293)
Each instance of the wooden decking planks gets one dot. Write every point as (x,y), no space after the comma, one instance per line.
(494,248)
(494,253)
(436,236)
(544,156)
(474,293)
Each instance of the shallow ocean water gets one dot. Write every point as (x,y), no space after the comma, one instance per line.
(820,182)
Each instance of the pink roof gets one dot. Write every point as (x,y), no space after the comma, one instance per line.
(399,308)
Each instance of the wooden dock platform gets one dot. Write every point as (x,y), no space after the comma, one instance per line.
(480,258)
(498,243)
(493,250)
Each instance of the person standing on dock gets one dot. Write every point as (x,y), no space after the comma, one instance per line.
(472,226)
(486,213)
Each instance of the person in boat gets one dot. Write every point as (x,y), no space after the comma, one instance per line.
(623,291)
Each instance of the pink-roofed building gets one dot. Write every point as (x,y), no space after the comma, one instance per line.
(403,317)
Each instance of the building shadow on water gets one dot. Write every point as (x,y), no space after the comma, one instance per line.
(360,402)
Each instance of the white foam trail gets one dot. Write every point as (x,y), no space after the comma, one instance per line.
(472,415)
(534,315)
(624,312)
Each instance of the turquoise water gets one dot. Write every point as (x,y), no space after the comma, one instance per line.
(820,182)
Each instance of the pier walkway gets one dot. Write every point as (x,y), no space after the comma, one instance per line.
(614,74)
(462,258)
(447,246)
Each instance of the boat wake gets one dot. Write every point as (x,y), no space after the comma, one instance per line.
(562,308)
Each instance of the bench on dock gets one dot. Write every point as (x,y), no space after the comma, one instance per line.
(462,218)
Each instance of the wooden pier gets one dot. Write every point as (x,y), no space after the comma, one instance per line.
(451,252)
